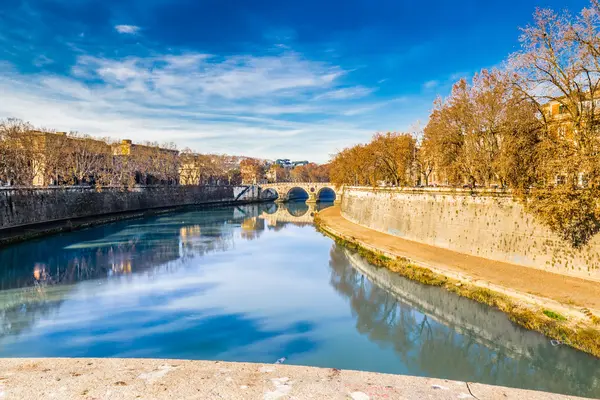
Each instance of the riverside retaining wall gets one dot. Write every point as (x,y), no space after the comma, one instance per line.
(486,224)
(27,206)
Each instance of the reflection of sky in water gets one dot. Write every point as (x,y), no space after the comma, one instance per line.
(223,284)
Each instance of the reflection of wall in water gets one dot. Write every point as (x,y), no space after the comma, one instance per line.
(489,327)
(115,249)
(434,332)
(37,276)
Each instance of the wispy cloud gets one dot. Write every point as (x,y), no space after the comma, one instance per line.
(185,77)
(127,29)
(346,93)
(256,105)
(42,60)
(431,84)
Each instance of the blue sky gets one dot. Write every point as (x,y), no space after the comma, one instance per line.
(263,78)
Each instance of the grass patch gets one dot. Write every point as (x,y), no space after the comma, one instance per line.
(554,315)
(552,324)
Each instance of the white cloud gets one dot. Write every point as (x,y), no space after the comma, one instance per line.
(42,60)
(431,84)
(346,93)
(267,106)
(235,77)
(127,29)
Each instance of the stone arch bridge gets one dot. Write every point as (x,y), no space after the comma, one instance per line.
(314,190)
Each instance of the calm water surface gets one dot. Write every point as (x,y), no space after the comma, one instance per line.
(257,283)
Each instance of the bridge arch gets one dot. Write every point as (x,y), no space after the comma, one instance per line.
(326,194)
(315,190)
(297,193)
(269,193)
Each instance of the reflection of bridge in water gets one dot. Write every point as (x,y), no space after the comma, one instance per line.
(298,213)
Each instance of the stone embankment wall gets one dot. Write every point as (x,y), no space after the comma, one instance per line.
(485,224)
(27,206)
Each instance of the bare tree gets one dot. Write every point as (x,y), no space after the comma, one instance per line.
(20,152)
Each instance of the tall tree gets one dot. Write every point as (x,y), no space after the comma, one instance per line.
(252,170)
(393,156)
(482,132)
(558,69)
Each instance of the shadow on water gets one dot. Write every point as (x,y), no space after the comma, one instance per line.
(255,283)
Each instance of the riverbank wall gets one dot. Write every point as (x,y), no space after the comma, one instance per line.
(486,224)
(27,212)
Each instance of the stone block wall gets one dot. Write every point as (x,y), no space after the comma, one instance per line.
(26,206)
(488,225)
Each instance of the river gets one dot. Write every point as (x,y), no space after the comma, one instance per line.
(259,283)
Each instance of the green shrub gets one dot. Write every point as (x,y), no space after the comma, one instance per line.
(554,315)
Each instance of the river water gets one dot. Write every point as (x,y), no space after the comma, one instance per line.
(258,283)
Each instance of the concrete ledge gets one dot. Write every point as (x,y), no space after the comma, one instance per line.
(84,378)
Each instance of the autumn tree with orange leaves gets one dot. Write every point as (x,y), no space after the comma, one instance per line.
(389,159)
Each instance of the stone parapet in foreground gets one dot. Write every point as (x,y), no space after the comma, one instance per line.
(86,378)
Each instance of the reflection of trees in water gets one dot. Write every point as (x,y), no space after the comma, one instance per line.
(126,252)
(208,238)
(120,248)
(20,312)
(436,333)
(36,276)
(32,269)
(252,228)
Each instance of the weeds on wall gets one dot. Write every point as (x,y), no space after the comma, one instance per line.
(573,214)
